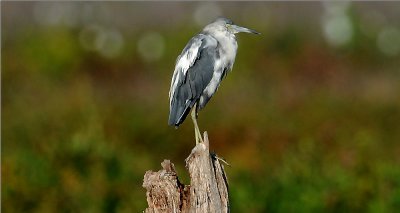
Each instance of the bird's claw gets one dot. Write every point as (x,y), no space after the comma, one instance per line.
(221,159)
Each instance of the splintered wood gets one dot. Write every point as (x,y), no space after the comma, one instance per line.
(207,192)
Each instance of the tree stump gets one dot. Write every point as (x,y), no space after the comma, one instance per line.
(207,192)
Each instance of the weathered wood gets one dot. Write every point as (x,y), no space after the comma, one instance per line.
(207,192)
(164,191)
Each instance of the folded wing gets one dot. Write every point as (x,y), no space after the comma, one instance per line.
(193,72)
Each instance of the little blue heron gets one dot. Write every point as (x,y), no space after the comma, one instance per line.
(200,68)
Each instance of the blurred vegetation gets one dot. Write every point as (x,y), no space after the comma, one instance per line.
(307,126)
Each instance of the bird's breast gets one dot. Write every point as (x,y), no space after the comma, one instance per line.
(227,54)
(224,59)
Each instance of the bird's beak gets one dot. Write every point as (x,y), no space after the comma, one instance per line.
(239,29)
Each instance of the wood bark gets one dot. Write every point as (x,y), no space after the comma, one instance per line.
(207,192)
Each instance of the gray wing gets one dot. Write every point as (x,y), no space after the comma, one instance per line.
(193,71)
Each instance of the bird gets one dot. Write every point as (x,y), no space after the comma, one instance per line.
(204,62)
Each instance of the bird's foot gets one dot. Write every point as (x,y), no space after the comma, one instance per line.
(199,139)
(224,161)
(221,159)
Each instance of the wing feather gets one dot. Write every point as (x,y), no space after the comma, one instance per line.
(193,71)
(184,61)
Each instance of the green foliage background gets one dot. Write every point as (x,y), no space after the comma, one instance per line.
(307,127)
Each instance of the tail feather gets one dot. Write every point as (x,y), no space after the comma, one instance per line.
(178,113)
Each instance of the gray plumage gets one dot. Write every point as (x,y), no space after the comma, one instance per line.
(200,68)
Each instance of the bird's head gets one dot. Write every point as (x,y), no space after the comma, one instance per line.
(226,25)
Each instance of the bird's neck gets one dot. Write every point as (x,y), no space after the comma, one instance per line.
(225,39)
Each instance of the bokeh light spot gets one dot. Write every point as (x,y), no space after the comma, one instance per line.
(110,43)
(107,43)
(388,41)
(89,35)
(151,46)
(338,30)
(336,24)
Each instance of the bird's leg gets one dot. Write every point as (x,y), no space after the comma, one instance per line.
(196,127)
